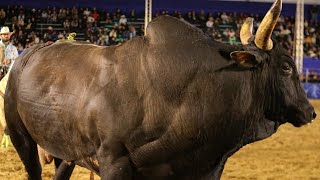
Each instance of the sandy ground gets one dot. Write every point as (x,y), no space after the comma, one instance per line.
(290,154)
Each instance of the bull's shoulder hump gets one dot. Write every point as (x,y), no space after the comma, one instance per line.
(166,29)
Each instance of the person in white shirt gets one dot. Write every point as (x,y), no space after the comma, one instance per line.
(123,20)
(9,51)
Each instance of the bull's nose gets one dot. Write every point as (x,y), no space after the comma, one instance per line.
(314,115)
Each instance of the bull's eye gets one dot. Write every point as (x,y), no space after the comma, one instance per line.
(287,68)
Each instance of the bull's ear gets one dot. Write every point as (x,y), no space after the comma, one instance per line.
(244,59)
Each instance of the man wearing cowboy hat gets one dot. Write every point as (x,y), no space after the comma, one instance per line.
(9,51)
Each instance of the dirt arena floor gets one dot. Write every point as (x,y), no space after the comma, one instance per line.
(290,154)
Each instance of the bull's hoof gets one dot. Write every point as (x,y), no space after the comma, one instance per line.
(5,142)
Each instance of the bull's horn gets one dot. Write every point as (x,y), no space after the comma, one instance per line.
(264,32)
(246,31)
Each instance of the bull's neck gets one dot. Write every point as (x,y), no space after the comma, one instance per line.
(261,127)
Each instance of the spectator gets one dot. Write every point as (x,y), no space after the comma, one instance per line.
(20,47)
(62,15)
(44,16)
(61,36)
(86,12)
(74,13)
(74,25)
(123,20)
(90,21)
(210,23)
(117,14)
(66,24)
(202,17)
(9,51)
(133,32)
(54,16)
(113,33)
(108,19)
(2,17)
(314,13)
(95,15)
(232,37)
(133,15)
(224,18)
(105,38)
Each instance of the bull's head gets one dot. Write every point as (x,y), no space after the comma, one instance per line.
(285,98)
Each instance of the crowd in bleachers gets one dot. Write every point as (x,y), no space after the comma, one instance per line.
(107,27)
(32,26)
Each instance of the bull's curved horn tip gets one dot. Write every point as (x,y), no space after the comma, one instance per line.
(246,31)
(264,32)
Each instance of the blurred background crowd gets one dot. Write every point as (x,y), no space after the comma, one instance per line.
(109,27)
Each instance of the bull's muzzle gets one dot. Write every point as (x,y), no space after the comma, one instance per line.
(308,116)
(301,116)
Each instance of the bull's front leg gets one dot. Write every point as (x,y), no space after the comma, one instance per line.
(218,169)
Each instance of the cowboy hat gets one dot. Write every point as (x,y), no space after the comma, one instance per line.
(5,30)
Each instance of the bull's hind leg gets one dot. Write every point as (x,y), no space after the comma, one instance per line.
(24,145)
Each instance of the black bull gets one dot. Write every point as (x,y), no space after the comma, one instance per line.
(172,104)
